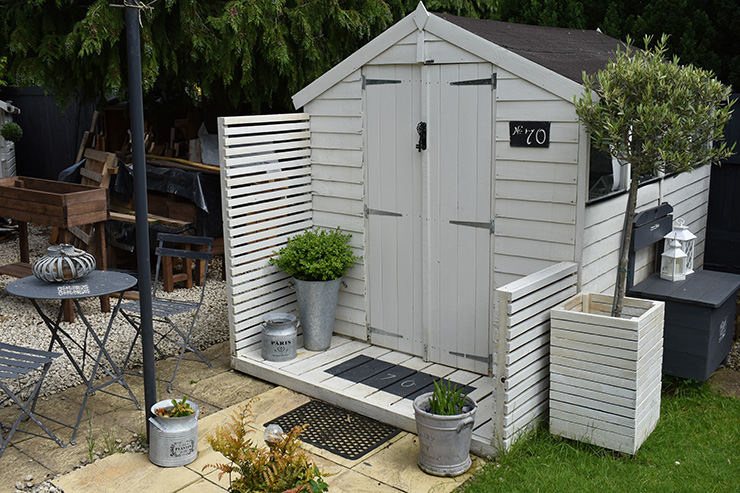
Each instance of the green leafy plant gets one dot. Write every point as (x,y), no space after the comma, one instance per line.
(316,255)
(11,131)
(447,399)
(178,409)
(282,467)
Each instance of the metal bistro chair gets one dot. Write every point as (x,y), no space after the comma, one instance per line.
(188,248)
(16,362)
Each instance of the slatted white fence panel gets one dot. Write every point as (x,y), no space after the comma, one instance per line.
(266,198)
(523,347)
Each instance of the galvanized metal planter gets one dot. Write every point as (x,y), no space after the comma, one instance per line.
(605,372)
(279,336)
(173,442)
(317,307)
(444,441)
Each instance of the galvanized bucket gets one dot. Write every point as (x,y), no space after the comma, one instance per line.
(173,442)
(444,441)
(279,336)
(317,306)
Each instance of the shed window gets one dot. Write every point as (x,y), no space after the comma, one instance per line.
(606,174)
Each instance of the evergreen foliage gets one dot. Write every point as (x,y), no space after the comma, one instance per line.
(320,255)
(251,56)
(446,399)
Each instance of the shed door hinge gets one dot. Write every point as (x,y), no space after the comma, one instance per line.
(477,82)
(373,330)
(485,359)
(378,212)
(375,82)
(490,225)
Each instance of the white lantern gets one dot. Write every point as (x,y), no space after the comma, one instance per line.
(673,263)
(686,239)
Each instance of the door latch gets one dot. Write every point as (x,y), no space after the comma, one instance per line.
(421,128)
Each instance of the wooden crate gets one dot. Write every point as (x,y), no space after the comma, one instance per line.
(605,372)
(52,203)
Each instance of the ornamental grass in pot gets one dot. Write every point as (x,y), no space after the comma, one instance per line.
(444,424)
(317,260)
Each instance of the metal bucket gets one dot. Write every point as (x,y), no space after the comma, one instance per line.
(444,441)
(279,336)
(317,306)
(173,442)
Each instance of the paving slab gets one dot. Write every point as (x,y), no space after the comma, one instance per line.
(397,466)
(227,389)
(132,470)
(22,466)
(726,382)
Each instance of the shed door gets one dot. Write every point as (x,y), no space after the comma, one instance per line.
(430,243)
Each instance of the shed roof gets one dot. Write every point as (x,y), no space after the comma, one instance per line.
(553,58)
(568,52)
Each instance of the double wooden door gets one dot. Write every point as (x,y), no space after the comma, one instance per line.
(429,206)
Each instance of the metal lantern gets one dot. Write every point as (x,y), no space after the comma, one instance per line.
(673,262)
(686,239)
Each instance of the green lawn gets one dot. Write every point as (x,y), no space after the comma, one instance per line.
(694,448)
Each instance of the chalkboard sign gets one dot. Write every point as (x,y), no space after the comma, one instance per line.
(529,134)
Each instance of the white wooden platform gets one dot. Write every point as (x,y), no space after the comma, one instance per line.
(306,374)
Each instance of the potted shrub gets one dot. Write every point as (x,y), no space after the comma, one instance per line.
(317,260)
(444,424)
(605,351)
(173,434)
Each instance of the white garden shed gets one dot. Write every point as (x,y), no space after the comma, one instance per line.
(450,148)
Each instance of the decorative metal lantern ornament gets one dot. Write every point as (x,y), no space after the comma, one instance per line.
(63,263)
(686,239)
(673,263)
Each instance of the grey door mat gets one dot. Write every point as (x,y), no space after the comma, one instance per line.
(341,432)
(395,379)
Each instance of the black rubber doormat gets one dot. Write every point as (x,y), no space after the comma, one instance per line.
(341,432)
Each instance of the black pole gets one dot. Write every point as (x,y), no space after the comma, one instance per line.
(136,108)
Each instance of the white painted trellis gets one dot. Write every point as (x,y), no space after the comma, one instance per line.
(266,198)
(523,381)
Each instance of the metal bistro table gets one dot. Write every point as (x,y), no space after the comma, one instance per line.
(97,283)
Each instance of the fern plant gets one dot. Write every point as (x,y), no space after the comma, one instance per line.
(316,255)
(447,399)
(281,468)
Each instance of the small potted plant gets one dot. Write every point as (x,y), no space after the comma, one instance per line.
(173,434)
(444,424)
(317,260)
(11,131)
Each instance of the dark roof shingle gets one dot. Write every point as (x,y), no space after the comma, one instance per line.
(568,52)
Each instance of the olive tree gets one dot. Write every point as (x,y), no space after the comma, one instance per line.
(654,115)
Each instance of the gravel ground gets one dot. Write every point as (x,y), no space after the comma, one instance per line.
(22,325)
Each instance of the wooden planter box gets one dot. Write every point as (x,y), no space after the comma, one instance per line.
(52,203)
(605,372)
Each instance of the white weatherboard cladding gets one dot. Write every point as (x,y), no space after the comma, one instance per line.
(429,276)
(338,188)
(687,193)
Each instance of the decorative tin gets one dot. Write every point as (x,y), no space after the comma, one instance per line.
(173,442)
(63,263)
(279,336)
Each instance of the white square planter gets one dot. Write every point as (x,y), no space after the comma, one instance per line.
(605,372)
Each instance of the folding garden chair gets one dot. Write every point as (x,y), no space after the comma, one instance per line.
(188,248)
(16,363)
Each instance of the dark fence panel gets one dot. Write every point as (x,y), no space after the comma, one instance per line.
(51,136)
(723,222)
